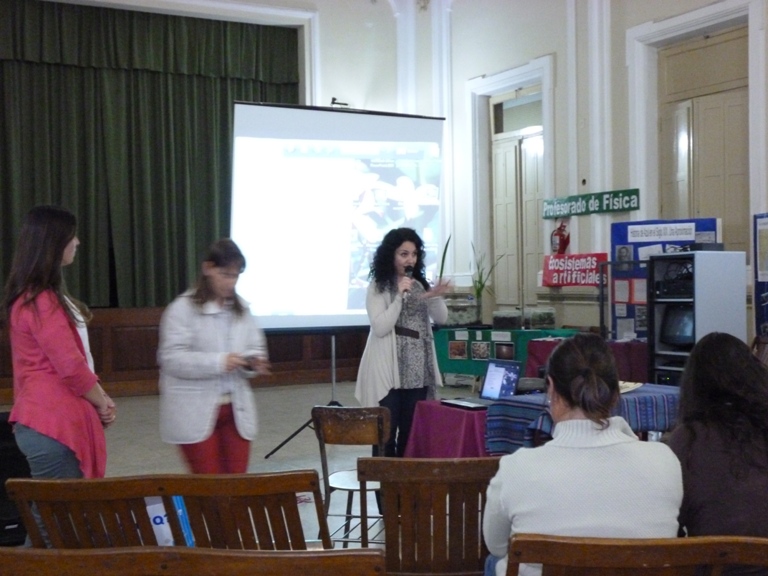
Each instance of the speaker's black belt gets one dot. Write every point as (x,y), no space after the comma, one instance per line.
(407,332)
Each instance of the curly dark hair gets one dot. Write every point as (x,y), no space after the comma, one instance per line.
(583,372)
(383,265)
(725,387)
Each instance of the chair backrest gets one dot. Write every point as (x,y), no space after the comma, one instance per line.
(432,510)
(179,561)
(235,511)
(349,426)
(570,556)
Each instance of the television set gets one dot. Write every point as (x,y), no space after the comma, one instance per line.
(677,326)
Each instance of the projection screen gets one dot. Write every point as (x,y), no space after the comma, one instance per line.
(314,190)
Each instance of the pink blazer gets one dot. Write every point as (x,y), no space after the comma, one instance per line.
(50,376)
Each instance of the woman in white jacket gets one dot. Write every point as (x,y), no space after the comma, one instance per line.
(594,478)
(399,364)
(210,344)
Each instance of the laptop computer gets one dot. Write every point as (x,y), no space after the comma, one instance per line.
(500,381)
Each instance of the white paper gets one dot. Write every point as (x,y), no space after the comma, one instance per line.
(159,519)
(645,252)
(762,249)
(625,329)
(621,291)
(639,290)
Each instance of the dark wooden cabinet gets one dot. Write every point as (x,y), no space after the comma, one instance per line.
(124,347)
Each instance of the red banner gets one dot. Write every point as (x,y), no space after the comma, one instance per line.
(573,269)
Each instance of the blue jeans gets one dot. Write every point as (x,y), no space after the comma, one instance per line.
(490,565)
(47,458)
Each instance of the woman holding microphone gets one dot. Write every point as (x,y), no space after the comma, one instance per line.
(399,364)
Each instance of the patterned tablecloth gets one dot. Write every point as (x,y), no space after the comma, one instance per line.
(524,420)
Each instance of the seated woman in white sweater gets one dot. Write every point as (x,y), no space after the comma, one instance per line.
(594,478)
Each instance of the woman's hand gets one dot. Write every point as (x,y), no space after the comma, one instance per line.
(439,289)
(260,365)
(404,285)
(102,403)
(235,361)
(107,412)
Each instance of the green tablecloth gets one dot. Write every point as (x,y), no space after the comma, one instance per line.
(466,350)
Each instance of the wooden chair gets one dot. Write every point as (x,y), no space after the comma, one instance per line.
(350,426)
(432,512)
(178,561)
(564,556)
(235,511)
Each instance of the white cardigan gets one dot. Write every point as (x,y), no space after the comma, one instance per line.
(194,344)
(378,372)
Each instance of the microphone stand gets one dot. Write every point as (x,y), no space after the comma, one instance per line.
(333,401)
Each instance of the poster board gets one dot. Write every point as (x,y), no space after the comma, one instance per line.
(632,243)
(760,260)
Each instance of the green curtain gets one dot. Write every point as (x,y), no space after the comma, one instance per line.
(126,119)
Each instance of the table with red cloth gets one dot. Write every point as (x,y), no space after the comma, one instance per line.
(441,431)
(631,358)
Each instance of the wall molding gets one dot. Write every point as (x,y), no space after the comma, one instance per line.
(600,111)
(478,92)
(642,44)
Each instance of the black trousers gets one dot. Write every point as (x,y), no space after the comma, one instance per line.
(401,404)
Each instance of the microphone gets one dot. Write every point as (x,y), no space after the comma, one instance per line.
(409,274)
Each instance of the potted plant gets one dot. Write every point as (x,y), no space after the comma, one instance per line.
(465,308)
(442,259)
(482,274)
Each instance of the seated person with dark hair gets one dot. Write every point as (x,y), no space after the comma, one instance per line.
(594,478)
(721,440)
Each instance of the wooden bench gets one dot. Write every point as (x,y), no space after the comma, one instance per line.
(234,511)
(570,556)
(179,561)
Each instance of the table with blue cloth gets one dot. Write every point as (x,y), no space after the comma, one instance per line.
(524,421)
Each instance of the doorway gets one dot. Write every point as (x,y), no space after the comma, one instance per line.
(704,133)
(643,44)
(516,194)
(488,227)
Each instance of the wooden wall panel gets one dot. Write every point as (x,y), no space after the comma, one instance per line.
(124,347)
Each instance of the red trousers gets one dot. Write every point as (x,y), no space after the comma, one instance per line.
(224,452)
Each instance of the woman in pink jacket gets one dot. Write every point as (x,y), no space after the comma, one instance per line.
(59,408)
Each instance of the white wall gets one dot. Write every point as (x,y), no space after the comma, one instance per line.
(358,62)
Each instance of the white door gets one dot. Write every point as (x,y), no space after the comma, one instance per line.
(721,164)
(518,176)
(705,162)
